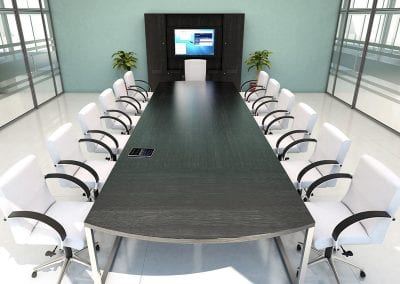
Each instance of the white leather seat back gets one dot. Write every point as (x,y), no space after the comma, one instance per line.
(332,144)
(63,145)
(89,119)
(107,101)
(273,88)
(262,80)
(286,100)
(119,88)
(22,187)
(304,119)
(129,79)
(195,69)
(374,187)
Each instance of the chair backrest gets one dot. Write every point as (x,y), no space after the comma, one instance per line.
(286,100)
(332,144)
(119,88)
(273,88)
(304,119)
(107,101)
(129,79)
(23,187)
(195,69)
(262,79)
(63,145)
(374,187)
(89,119)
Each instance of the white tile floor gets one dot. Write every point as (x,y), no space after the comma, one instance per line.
(248,262)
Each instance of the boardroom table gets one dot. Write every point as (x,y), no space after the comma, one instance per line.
(212,178)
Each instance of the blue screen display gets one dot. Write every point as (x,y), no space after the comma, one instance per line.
(194,41)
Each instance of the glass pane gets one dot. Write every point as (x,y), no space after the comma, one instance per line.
(28,4)
(357,4)
(15,94)
(350,59)
(39,62)
(7,3)
(335,55)
(379,94)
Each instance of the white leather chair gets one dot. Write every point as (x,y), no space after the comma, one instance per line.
(261,83)
(362,217)
(67,157)
(282,106)
(141,93)
(304,119)
(129,104)
(264,103)
(195,69)
(117,119)
(35,217)
(329,154)
(90,121)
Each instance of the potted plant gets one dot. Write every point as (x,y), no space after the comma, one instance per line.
(258,59)
(124,60)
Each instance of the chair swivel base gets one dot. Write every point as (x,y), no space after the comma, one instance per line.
(327,256)
(67,257)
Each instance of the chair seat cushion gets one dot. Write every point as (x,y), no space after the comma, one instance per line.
(273,138)
(275,126)
(121,139)
(117,125)
(102,168)
(71,215)
(327,215)
(293,168)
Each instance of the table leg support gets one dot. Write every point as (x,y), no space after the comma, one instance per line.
(92,255)
(305,255)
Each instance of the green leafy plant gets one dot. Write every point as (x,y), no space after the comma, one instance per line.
(124,60)
(259,59)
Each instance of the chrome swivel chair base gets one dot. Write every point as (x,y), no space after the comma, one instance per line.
(67,256)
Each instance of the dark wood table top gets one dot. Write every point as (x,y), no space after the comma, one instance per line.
(212,176)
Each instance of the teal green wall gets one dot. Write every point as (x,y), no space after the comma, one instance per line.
(300,34)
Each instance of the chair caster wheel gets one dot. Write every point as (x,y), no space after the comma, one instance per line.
(362,274)
(298,248)
(97,247)
(34,274)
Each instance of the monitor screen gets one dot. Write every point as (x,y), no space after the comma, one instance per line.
(192,42)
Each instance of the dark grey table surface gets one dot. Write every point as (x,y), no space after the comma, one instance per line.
(212,176)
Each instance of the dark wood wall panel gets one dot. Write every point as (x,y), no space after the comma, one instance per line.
(164,66)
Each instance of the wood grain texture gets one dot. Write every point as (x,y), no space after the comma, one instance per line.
(212,176)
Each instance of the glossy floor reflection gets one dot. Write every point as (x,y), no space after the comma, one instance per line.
(247,262)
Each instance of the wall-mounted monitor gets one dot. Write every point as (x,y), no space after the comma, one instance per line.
(194,42)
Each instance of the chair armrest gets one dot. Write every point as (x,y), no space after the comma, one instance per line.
(105,134)
(323,179)
(314,165)
(262,102)
(121,113)
(287,134)
(116,119)
(246,82)
(271,113)
(129,103)
(104,145)
(253,92)
(356,218)
(133,99)
(73,179)
(275,120)
(43,219)
(144,81)
(282,155)
(82,165)
(139,90)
